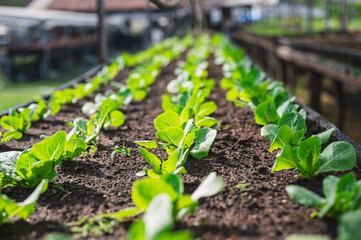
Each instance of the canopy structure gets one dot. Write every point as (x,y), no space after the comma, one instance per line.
(235,3)
(46,15)
(52,18)
(91,5)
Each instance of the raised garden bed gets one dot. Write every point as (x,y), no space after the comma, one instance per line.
(252,205)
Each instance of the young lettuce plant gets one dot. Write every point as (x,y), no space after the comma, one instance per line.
(74,147)
(41,109)
(88,130)
(342,201)
(165,203)
(144,75)
(192,106)
(59,98)
(290,130)
(17,123)
(157,222)
(8,175)
(246,87)
(308,159)
(30,167)
(280,103)
(10,209)
(145,193)
(38,162)
(111,100)
(341,195)
(106,106)
(179,143)
(85,129)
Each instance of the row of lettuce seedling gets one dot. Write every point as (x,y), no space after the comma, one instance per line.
(35,166)
(285,126)
(184,128)
(17,122)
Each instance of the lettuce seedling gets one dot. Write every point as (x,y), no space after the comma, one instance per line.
(306,237)
(342,201)
(8,175)
(59,98)
(349,225)
(10,209)
(144,192)
(341,195)
(179,143)
(289,131)
(41,109)
(38,163)
(270,112)
(74,147)
(308,160)
(106,108)
(163,199)
(144,75)
(30,167)
(17,123)
(85,129)
(88,130)
(157,222)
(7,136)
(192,106)
(111,100)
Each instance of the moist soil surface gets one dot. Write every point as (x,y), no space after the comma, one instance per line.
(256,208)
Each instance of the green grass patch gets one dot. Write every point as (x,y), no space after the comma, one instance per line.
(17,93)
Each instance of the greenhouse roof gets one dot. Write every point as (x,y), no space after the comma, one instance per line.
(91,5)
(233,3)
(31,16)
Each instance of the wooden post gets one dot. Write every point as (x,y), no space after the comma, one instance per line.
(315,86)
(282,71)
(102,54)
(45,55)
(273,63)
(310,16)
(193,11)
(340,103)
(150,21)
(263,55)
(327,16)
(291,78)
(293,14)
(343,16)
(68,48)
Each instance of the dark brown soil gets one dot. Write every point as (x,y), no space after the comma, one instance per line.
(95,184)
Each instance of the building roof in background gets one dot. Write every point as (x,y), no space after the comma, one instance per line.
(234,3)
(27,17)
(91,5)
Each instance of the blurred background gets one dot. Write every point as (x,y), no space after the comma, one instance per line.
(313,46)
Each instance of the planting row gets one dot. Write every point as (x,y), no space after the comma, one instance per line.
(184,129)
(37,164)
(285,126)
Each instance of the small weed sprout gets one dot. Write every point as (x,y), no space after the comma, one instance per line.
(124,151)
(244,187)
